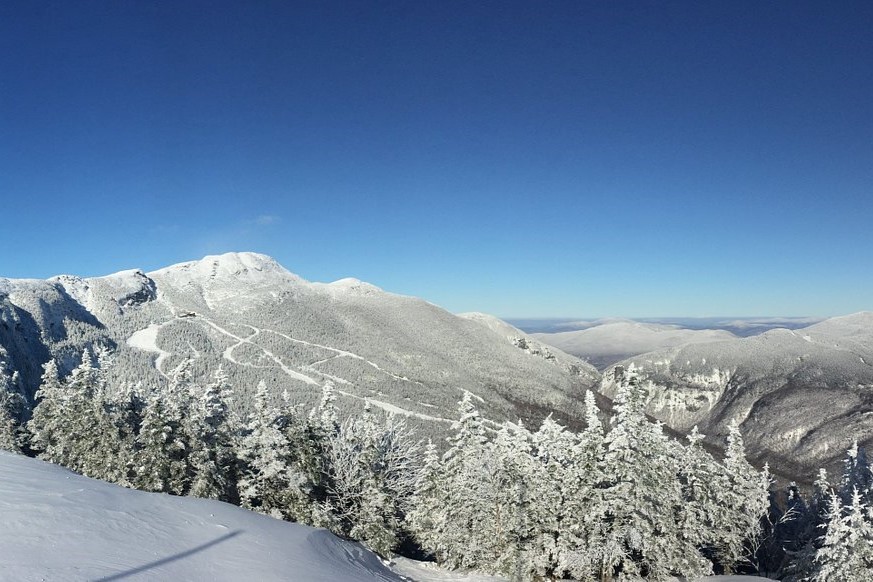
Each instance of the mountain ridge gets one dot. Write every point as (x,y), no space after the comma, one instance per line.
(249,314)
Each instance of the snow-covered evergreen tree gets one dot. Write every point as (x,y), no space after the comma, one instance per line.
(846,553)
(269,482)
(507,506)
(453,509)
(857,475)
(47,425)
(746,501)
(642,497)
(550,485)
(580,539)
(429,487)
(163,444)
(66,421)
(12,410)
(801,562)
(213,460)
(704,485)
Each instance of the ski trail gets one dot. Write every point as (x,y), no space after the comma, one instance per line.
(229,352)
(347,354)
(342,353)
(390,408)
(147,341)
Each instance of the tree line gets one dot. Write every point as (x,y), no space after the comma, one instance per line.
(615,501)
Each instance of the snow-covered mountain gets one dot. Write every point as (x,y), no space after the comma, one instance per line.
(249,314)
(616,340)
(802,395)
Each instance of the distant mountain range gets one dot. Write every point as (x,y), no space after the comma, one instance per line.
(248,314)
(740,326)
(802,395)
(614,340)
(802,387)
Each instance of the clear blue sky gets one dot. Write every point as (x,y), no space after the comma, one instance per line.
(521,158)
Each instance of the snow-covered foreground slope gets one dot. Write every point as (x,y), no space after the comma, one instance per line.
(57,525)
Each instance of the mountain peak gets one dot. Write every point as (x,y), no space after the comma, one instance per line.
(246,266)
(241,261)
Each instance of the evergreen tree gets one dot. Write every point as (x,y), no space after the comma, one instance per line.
(47,425)
(550,485)
(801,562)
(704,485)
(163,445)
(581,540)
(429,487)
(13,407)
(642,498)
(269,483)
(857,475)
(453,508)
(66,420)
(746,501)
(213,457)
(506,506)
(846,553)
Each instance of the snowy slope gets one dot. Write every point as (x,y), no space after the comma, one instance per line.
(613,341)
(60,526)
(247,313)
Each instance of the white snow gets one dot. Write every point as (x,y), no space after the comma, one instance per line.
(221,277)
(390,408)
(61,526)
(147,340)
(353,286)
(228,353)
(430,572)
(629,337)
(243,267)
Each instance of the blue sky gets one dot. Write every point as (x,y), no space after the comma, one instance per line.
(520,158)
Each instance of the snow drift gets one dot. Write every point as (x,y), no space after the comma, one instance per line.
(61,526)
